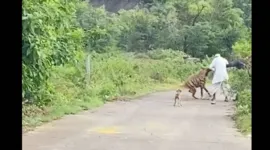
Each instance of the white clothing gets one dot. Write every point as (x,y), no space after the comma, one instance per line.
(217,87)
(223,86)
(220,70)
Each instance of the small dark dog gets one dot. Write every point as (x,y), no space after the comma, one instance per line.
(237,64)
(177,97)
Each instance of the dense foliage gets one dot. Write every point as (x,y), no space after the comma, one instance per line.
(114,75)
(241,82)
(50,37)
(129,50)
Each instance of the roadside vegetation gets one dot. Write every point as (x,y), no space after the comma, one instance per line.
(77,57)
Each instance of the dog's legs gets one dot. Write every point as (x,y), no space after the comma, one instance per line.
(179,102)
(174,102)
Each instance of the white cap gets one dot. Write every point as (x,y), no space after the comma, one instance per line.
(217,55)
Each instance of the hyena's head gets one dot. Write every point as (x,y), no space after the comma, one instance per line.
(205,71)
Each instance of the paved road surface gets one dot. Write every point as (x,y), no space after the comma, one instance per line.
(149,123)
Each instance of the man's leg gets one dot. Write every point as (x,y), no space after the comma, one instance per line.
(216,87)
(225,90)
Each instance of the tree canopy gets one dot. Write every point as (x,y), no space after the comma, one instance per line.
(55,30)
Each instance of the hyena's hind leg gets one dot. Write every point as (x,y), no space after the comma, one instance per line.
(193,91)
(204,88)
(201,92)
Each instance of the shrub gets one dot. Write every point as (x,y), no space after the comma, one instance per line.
(113,75)
(240,82)
(50,37)
(56,36)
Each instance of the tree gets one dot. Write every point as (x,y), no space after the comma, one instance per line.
(228,22)
(100,29)
(50,37)
(138,30)
(245,6)
(242,48)
(188,13)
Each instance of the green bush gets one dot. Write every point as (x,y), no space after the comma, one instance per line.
(243,111)
(50,37)
(56,36)
(113,75)
(242,48)
(240,82)
(244,103)
(53,31)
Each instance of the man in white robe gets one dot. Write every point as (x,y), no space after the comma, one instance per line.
(220,78)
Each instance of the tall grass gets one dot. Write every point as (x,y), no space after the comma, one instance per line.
(114,75)
(118,75)
(240,82)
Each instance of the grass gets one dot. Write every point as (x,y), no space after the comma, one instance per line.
(118,77)
(240,82)
(243,123)
(54,112)
(115,75)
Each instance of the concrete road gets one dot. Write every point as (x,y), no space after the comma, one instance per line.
(148,123)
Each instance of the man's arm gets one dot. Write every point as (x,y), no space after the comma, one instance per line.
(226,61)
(212,65)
